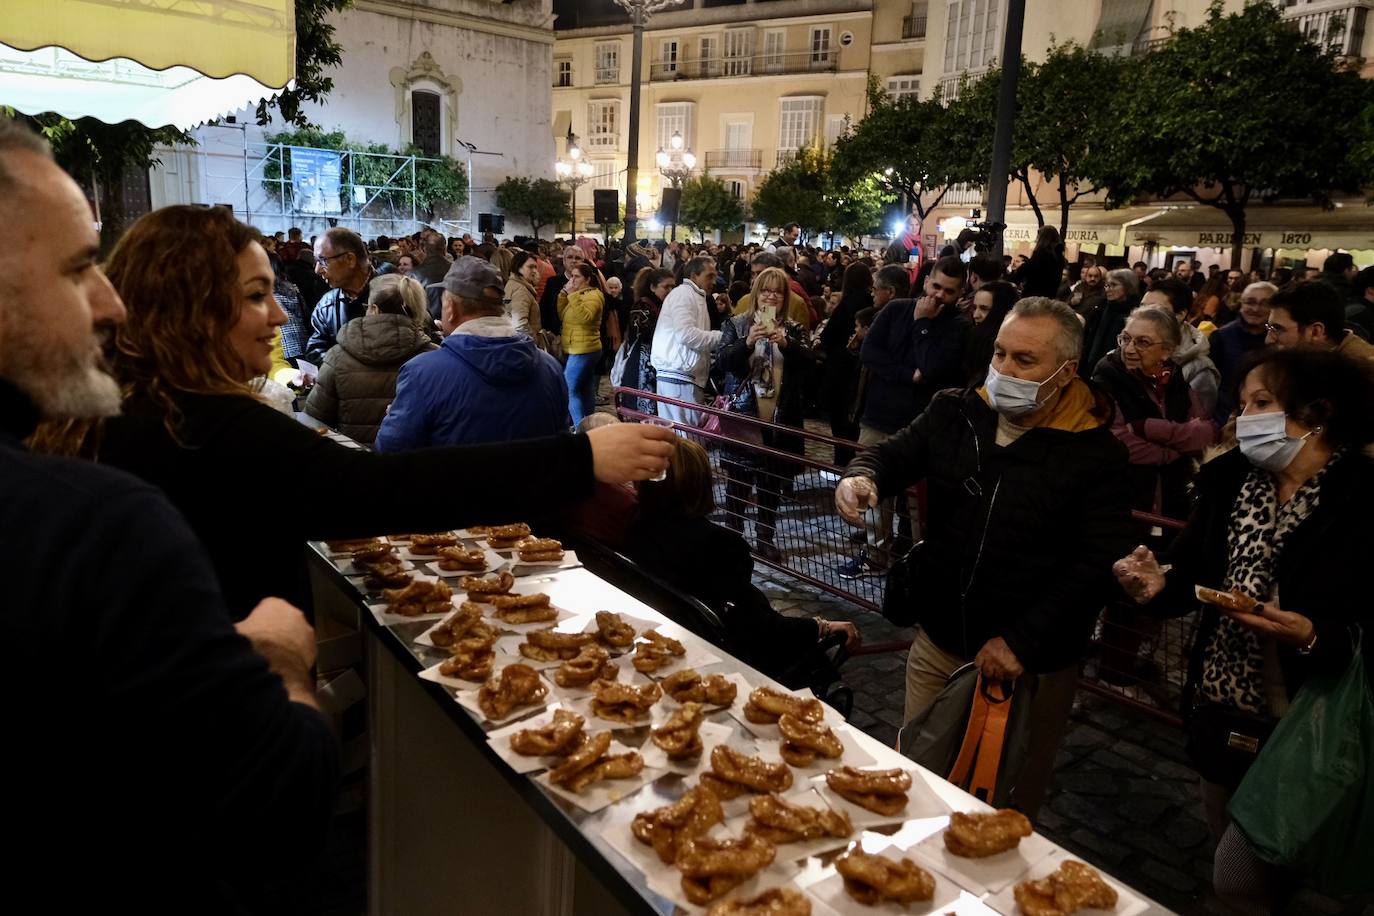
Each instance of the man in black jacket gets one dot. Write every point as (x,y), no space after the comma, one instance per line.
(179,742)
(1026,505)
(548,303)
(341,258)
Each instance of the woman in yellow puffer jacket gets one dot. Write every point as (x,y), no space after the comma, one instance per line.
(579,308)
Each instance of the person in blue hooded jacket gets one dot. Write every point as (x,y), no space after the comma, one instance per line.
(486,383)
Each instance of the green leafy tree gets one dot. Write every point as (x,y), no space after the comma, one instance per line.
(857,210)
(539,201)
(795,192)
(1061,124)
(708,205)
(316,52)
(1254,111)
(915,147)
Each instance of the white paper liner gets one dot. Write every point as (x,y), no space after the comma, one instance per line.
(522,628)
(639,624)
(829,892)
(379,609)
(921,802)
(582,703)
(1128,903)
(432,674)
(991,874)
(853,755)
(494,562)
(736,807)
(770,730)
(521,763)
(712,733)
(426,638)
(792,852)
(608,791)
(778,874)
(468,700)
(485,544)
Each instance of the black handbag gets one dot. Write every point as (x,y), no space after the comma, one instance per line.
(1222,741)
(899,593)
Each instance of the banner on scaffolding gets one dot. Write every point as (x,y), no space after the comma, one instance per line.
(315,177)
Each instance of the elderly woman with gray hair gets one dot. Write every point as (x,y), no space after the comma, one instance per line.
(1122,291)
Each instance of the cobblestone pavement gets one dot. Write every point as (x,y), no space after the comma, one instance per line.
(1122,796)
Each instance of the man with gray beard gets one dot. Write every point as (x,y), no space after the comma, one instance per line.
(177,741)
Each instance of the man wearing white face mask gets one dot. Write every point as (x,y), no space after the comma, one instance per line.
(1283,519)
(1026,505)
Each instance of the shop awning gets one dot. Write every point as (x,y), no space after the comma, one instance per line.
(1349,226)
(1087,225)
(159,62)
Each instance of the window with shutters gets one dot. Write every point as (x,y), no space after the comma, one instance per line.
(608,62)
(835,127)
(708,55)
(603,125)
(799,120)
(774,46)
(739,45)
(563,72)
(674,116)
(821,51)
(426,131)
(736,189)
(667,54)
(606,174)
(899,86)
(971,32)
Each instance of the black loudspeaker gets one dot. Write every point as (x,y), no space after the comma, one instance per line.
(667,207)
(605,206)
(491,222)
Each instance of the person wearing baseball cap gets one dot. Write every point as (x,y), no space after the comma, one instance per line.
(487,383)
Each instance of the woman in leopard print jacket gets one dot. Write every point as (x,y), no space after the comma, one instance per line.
(1285,519)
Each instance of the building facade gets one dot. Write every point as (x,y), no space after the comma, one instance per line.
(468,79)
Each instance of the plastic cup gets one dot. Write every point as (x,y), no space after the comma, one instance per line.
(665,424)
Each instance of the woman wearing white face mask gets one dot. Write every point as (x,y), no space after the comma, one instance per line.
(1285,519)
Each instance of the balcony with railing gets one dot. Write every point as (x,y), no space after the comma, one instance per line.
(963,195)
(1337,24)
(745,65)
(1146,44)
(913,27)
(607,75)
(734,159)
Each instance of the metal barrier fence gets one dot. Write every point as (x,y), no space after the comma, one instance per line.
(782,501)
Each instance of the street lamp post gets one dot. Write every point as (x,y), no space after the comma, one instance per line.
(675,164)
(574,172)
(639,11)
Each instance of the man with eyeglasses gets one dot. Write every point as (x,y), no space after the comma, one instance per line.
(1233,341)
(1312,315)
(486,383)
(341,259)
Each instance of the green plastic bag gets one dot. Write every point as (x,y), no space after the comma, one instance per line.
(1307,802)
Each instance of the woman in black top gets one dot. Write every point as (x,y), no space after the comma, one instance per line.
(1040,275)
(254,484)
(991,303)
(672,536)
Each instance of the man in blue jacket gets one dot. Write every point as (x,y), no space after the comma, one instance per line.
(914,348)
(487,383)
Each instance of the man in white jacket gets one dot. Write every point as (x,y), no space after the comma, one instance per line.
(683,341)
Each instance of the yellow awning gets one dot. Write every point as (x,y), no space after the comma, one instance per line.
(161,62)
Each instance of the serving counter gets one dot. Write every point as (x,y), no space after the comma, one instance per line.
(454,829)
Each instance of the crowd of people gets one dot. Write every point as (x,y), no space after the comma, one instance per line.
(1038,403)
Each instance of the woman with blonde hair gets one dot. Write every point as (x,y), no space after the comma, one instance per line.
(254,484)
(357,381)
(765,357)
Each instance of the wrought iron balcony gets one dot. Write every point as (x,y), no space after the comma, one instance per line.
(734,159)
(913,27)
(823,61)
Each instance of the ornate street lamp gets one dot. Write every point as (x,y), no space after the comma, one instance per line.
(675,164)
(573,171)
(639,11)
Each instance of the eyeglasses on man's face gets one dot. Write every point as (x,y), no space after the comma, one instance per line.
(322,260)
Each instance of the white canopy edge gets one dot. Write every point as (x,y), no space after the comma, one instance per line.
(54,79)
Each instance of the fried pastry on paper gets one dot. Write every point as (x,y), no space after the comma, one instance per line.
(1071,887)
(776,901)
(881,791)
(734,773)
(871,879)
(767,705)
(666,828)
(780,821)
(711,868)
(975,836)
(517,685)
